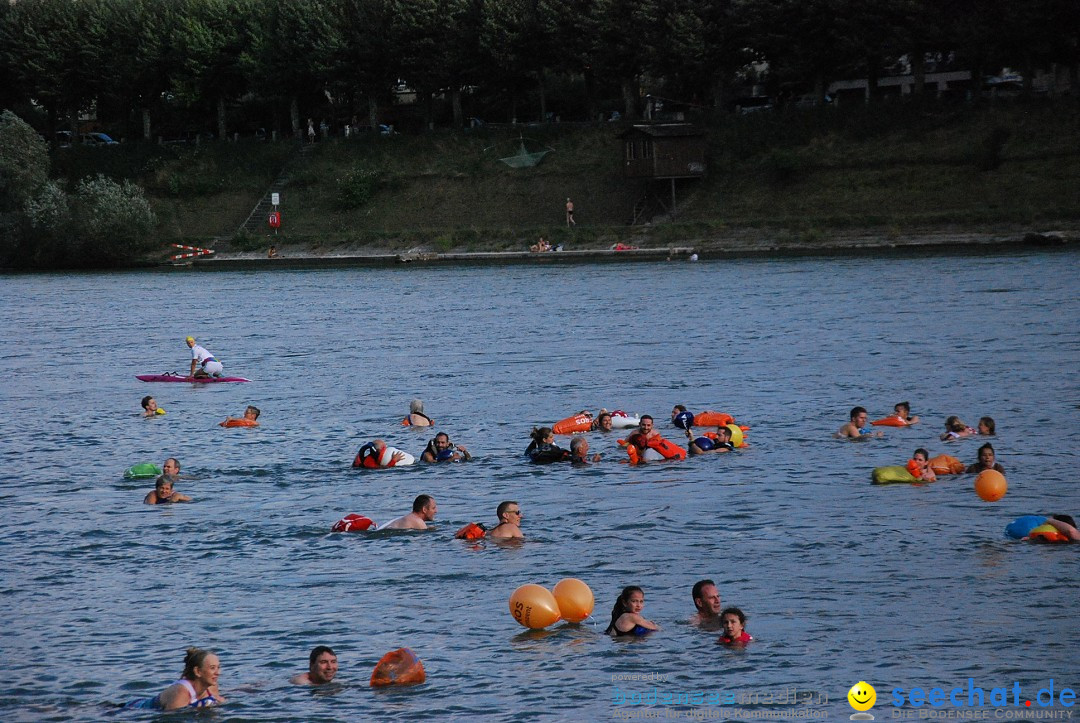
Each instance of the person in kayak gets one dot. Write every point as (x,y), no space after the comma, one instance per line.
(203,363)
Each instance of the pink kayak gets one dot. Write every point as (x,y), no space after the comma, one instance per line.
(190,380)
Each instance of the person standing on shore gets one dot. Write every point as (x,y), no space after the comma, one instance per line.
(570,213)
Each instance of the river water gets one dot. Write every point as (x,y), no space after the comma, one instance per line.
(900,586)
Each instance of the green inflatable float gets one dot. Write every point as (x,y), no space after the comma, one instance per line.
(145,470)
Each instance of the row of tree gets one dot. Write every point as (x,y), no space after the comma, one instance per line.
(141,59)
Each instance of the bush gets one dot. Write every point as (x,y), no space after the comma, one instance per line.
(113,221)
(356,188)
(988,153)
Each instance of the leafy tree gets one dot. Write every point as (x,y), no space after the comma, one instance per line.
(365,55)
(24,161)
(213,34)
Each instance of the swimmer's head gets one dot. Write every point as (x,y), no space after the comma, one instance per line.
(604,422)
(171,467)
(856,412)
(163,486)
(921,455)
(733,621)
(987,426)
(190,341)
(146,401)
(542,435)
(1067,519)
(416,407)
(903,409)
(322,664)
(252,412)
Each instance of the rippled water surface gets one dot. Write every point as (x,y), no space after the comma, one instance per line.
(842,581)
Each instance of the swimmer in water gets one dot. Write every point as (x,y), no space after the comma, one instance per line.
(626,619)
(579,453)
(987,427)
(733,621)
(197,687)
(919,466)
(987,460)
(903,413)
(163,492)
(416,417)
(707,601)
(441,449)
(603,422)
(1064,524)
(171,467)
(956,429)
(423,512)
(322,667)
(250,415)
(510,517)
(542,449)
(150,407)
(706,444)
(856,427)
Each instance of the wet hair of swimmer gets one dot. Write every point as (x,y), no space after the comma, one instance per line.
(923,452)
(1067,519)
(539,434)
(680,407)
(620,604)
(503,507)
(416,406)
(576,443)
(856,411)
(194,659)
(420,503)
(646,416)
(254,410)
(162,480)
(903,408)
(985,446)
(988,422)
(146,400)
(317,651)
(953,424)
(736,612)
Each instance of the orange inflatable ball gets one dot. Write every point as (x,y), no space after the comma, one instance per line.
(990,485)
(575,599)
(398,667)
(534,606)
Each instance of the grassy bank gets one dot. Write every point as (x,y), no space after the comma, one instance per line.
(801,175)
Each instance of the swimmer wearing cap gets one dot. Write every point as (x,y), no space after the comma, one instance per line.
(203,363)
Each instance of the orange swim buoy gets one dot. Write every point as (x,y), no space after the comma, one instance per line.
(713,419)
(914,469)
(670,450)
(893,421)
(240,423)
(944,464)
(1047,533)
(353,523)
(572,425)
(398,667)
(471,531)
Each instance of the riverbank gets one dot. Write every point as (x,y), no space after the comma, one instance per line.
(748,244)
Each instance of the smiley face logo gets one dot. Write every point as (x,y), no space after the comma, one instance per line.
(862,696)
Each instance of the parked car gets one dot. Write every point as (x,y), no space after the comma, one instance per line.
(97,139)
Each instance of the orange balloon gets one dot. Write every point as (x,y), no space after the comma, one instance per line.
(575,599)
(398,667)
(534,606)
(990,485)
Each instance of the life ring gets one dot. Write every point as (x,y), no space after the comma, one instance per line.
(893,421)
(573,425)
(1047,533)
(353,523)
(240,423)
(368,458)
(144,470)
(892,475)
(944,464)
(1021,527)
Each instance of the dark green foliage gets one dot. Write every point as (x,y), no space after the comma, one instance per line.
(988,152)
(356,188)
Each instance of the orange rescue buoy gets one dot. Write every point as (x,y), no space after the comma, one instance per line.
(398,667)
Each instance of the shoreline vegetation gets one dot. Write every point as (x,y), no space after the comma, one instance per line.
(901,175)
